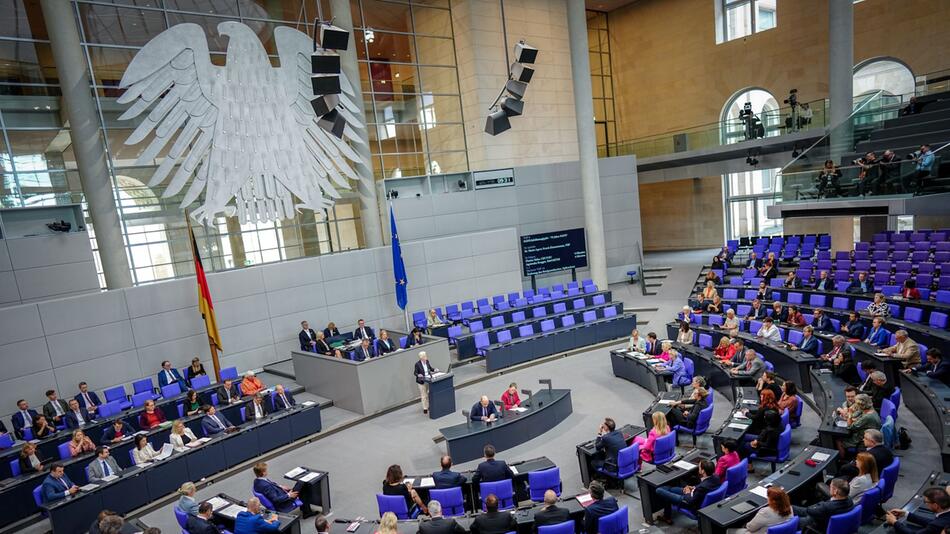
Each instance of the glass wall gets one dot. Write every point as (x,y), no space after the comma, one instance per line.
(605,123)
(412,102)
(748,195)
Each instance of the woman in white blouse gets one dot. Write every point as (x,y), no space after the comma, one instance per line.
(180,435)
(143,451)
(636,343)
(867,475)
(731,323)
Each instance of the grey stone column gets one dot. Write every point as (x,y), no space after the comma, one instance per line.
(369,204)
(840,74)
(85,132)
(586,141)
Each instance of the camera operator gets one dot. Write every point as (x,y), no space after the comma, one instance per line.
(804,118)
(912,107)
(869,172)
(751,124)
(830,173)
(890,170)
(792,122)
(925,162)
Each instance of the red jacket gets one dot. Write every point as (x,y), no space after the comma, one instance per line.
(510,400)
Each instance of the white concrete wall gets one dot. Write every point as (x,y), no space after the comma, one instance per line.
(47,266)
(116,337)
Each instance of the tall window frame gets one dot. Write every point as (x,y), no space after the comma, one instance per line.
(736,19)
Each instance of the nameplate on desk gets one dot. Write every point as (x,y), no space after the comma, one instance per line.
(514,469)
(820,456)
(295,472)
(309,476)
(88,487)
(761,491)
(683,464)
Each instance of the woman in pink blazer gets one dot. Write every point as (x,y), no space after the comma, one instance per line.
(660,428)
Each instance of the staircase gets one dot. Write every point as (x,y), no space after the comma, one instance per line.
(653,278)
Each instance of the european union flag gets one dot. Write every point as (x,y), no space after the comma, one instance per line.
(399,268)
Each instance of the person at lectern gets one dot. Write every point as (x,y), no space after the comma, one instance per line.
(308,338)
(484,410)
(424,371)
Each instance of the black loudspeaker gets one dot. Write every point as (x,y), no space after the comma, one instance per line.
(325,84)
(512,106)
(334,38)
(497,122)
(516,88)
(333,123)
(524,53)
(324,104)
(324,62)
(522,73)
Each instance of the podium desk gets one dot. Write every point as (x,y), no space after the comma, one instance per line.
(441,395)
(929,399)
(635,368)
(748,399)
(705,364)
(587,452)
(289,523)
(466,441)
(314,492)
(828,392)
(659,405)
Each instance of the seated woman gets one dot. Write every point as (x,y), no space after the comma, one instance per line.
(677,367)
(769,269)
(724,351)
(766,443)
(779,510)
(731,323)
(685,335)
(150,416)
(866,479)
(415,338)
(716,263)
(251,385)
(143,451)
(729,458)
(660,428)
(665,347)
(795,317)
(686,412)
(80,443)
(713,277)
(394,485)
(760,414)
(29,461)
(510,397)
(714,306)
(879,307)
(853,328)
(862,417)
(41,427)
(180,435)
(384,345)
(192,403)
(195,369)
(789,400)
(910,291)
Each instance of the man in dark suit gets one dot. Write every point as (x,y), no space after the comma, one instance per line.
(23,418)
(755,262)
(824,283)
(550,513)
(690,497)
(935,367)
(76,416)
(653,345)
(809,343)
(874,443)
(937,501)
(491,470)
(283,399)
(446,478)
(439,524)
(756,312)
(88,400)
(793,281)
(608,444)
(257,408)
(201,523)
(307,337)
(879,389)
(821,322)
(362,331)
(115,432)
(484,410)
(599,508)
(170,375)
(283,498)
(493,521)
(861,284)
(365,351)
(55,410)
(817,515)
(215,423)
(228,392)
(57,485)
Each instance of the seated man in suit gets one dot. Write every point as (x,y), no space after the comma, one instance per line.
(228,392)
(792,281)
(755,262)
(934,367)
(23,418)
(874,444)
(752,367)
(821,322)
(493,521)
(77,417)
(550,513)
(817,515)
(252,520)
(384,345)
(824,283)
(937,501)
(257,409)
(283,399)
(602,505)
(365,351)
(861,284)
(215,423)
(362,331)
(307,337)
(116,432)
(55,410)
(756,312)
(282,497)
(809,342)
(88,400)
(103,466)
(484,410)
(690,497)
(439,524)
(170,375)
(202,523)
(57,485)
(608,444)
(491,470)
(446,478)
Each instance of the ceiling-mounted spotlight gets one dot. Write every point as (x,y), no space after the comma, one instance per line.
(525,53)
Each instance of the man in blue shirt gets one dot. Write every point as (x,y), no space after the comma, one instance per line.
(252,521)
(925,163)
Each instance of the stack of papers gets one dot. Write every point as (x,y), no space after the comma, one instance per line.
(166,451)
(518,409)
(88,487)
(820,456)
(654,360)
(110,478)
(749,401)
(309,476)
(295,472)
(217,503)
(585,500)
(232,511)
(841,423)
(738,426)
(437,374)
(683,464)
(761,491)
(308,403)
(666,401)
(427,482)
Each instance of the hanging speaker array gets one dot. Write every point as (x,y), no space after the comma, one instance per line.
(325,76)
(510,102)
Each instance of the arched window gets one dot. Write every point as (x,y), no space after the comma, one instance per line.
(764,106)
(887,74)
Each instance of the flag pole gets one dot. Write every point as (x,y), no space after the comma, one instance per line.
(211,345)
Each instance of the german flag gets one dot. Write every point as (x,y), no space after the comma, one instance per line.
(204,294)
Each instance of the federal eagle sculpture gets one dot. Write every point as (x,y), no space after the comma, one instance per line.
(245,134)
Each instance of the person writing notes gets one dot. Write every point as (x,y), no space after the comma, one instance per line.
(484,410)
(510,397)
